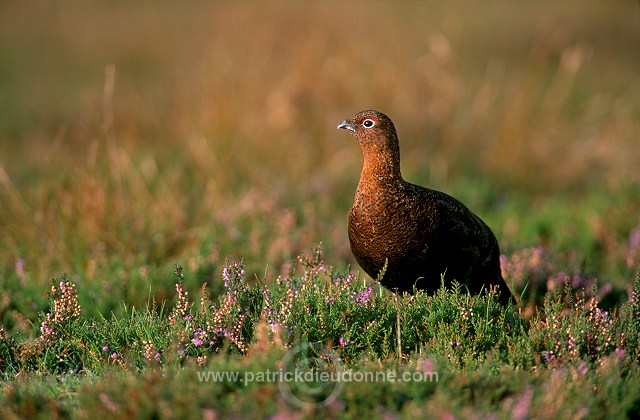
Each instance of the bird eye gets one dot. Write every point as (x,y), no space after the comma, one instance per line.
(368,123)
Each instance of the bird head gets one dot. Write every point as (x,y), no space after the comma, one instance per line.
(372,129)
(366,122)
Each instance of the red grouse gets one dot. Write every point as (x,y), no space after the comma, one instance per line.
(419,233)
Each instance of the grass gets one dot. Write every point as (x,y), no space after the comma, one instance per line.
(465,353)
(134,138)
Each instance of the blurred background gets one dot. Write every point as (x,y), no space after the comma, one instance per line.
(139,135)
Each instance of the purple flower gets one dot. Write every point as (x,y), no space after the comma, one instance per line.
(549,356)
(197,342)
(105,348)
(20,268)
(634,238)
(363,297)
(47,332)
(521,407)
(583,369)
(344,342)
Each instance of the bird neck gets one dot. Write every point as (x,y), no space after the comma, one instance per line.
(381,169)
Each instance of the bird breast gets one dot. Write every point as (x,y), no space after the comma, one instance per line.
(382,224)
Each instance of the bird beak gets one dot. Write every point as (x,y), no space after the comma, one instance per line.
(346,124)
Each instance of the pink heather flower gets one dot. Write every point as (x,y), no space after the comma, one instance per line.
(180,310)
(157,357)
(345,282)
(521,407)
(114,355)
(344,342)
(105,348)
(363,297)
(549,356)
(634,238)
(583,369)
(197,342)
(65,307)
(20,268)
(47,332)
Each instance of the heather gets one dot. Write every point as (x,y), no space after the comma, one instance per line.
(570,345)
(173,198)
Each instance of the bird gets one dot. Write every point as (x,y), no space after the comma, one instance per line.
(411,237)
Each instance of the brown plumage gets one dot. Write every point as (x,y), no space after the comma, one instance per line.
(422,233)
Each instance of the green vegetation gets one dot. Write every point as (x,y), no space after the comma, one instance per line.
(179,162)
(466,354)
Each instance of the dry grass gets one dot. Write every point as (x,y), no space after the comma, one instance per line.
(158,131)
